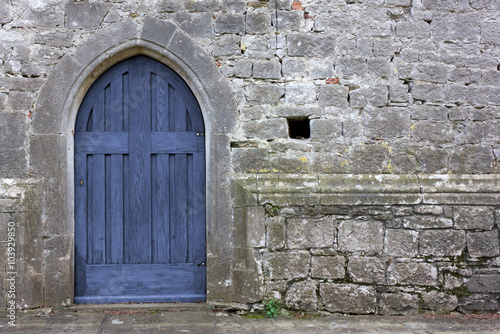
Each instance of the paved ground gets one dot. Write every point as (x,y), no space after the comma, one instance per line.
(197,319)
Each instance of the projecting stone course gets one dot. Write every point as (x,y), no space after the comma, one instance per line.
(391,206)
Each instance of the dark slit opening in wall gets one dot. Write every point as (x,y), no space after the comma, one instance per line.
(298,128)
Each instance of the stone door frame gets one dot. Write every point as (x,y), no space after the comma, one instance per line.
(52,150)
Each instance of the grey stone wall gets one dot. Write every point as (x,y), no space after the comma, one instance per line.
(392,204)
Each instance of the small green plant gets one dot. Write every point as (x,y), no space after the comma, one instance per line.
(272,308)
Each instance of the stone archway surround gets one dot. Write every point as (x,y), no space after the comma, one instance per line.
(51,146)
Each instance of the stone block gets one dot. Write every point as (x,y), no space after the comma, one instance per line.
(46,16)
(429,210)
(243,68)
(21,84)
(276,233)
(338,21)
(5,14)
(289,20)
(489,32)
(432,160)
(266,129)
(287,265)
(401,243)
(230,23)
(482,96)
(483,244)
(17,166)
(433,131)
(442,242)
(265,94)
(197,25)
(387,123)
(366,270)
(348,298)
(431,73)
(13,127)
(374,96)
(462,28)
(326,267)
(250,160)
(313,45)
(368,159)
(258,21)
(471,159)
(333,96)
(474,217)
(55,38)
(381,67)
(361,236)
(298,93)
(398,304)
(413,274)
(85,15)
(413,29)
(424,222)
(293,67)
(320,68)
(439,301)
(484,283)
(233,5)
(478,302)
(326,129)
(227,45)
(347,67)
(428,92)
(307,233)
(267,70)
(302,296)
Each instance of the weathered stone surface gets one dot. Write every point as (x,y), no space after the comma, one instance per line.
(374,96)
(424,222)
(442,242)
(439,301)
(333,96)
(348,298)
(198,25)
(287,265)
(267,70)
(401,243)
(413,273)
(326,128)
(265,94)
(266,129)
(314,45)
(483,243)
(484,283)
(276,233)
(387,123)
(258,21)
(299,93)
(307,233)
(56,38)
(302,296)
(227,45)
(229,23)
(84,15)
(359,235)
(328,267)
(366,270)
(399,304)
(478,302)
(473,217)
(250,160)
(47,16)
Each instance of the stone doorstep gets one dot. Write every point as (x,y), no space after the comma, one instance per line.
(134,307)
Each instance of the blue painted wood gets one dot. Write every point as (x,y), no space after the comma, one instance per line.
(140,205)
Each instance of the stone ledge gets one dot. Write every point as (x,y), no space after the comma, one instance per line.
(383,189)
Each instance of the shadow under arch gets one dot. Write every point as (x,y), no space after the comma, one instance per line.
(52,146)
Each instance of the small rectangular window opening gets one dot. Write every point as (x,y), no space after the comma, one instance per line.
(298,128)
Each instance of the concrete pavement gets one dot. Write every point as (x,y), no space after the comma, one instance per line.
(199,319)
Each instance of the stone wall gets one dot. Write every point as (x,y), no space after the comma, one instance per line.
(391,204)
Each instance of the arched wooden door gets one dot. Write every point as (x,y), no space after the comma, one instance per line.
(139,188)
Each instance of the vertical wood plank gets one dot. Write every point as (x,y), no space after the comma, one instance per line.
(162,228)
(126,212)
(89,225)
(178,225)
(162,102)
(116,105)
(139,177)
(154,92)
(172,107)
(198,209)
(80,218)
(116,207)
(107,205)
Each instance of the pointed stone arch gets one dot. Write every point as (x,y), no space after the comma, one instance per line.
(52,149)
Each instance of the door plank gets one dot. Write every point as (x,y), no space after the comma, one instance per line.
(80,216)
(178,225)
(139,177)
(115,236)
(162,103)
(198,210)
(130,279)
(162,212)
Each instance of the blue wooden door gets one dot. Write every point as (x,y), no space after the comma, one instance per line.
(139,188)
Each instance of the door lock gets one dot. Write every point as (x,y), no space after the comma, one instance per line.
(201,264)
